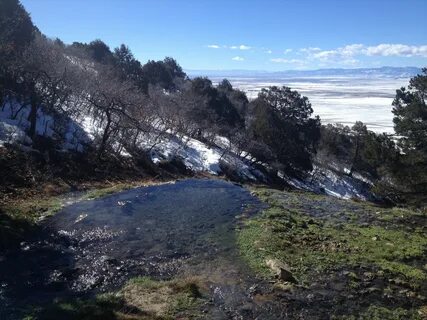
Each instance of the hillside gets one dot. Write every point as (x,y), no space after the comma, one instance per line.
(133,189)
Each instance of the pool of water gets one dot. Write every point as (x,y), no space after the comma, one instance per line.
(96,245)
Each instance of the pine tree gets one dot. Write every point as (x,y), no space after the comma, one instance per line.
(410,123)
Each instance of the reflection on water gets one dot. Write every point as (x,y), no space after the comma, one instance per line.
(96,245)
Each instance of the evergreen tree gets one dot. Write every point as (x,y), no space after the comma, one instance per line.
(223,113)
(16,28)
(129,67)
(410,113)
(100,52)
(16,33)
(162,73)
(410,123)
(281,119)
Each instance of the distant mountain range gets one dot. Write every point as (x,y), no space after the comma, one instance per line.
(390,72)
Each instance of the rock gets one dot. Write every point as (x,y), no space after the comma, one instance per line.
(371,290)
(310,296)
(281,270)
(253,289)
(284,286)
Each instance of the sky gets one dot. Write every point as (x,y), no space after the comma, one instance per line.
(268,35)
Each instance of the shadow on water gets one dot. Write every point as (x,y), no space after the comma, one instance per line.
(95,246)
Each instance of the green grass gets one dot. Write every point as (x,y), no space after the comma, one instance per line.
(142,298)
(33,209)
(341,236)
(175,297)
(311,246)
(352,243)
(18,219)
(102,192)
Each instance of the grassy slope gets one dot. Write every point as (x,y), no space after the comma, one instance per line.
(375,257)
(18,218)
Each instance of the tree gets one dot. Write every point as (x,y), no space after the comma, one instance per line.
(173,68)
(410,123)
(360,132)
(410,114)
(38,78)
(236,97)
(16,28)
(16,33)
(225,86)
(45,79)
(289,103)
(113,104)
(162,73)
(281,119)
(98,50)
(222,112)
(129,67)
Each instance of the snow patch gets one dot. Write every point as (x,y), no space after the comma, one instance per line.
(333,183)
(14,124)
(198,156)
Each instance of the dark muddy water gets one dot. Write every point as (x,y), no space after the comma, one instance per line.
(95,246)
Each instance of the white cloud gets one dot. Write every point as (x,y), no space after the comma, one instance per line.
(288,61)
(349,51)
(310,50)
(241,47)
(404,50)
(269,51)
(279,60)
(237,58)
(338,53)
(287,51)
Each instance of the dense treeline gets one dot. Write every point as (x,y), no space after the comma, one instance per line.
(134,105)
(132,102)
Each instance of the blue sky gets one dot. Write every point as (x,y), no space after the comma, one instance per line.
(255,35)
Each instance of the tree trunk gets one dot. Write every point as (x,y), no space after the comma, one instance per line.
(105,136)
(32,118)
(355,158)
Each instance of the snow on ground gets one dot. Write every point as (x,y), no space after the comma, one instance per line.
(199,157)
(14,124)
(196,155)
(11,132)
(333,183)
